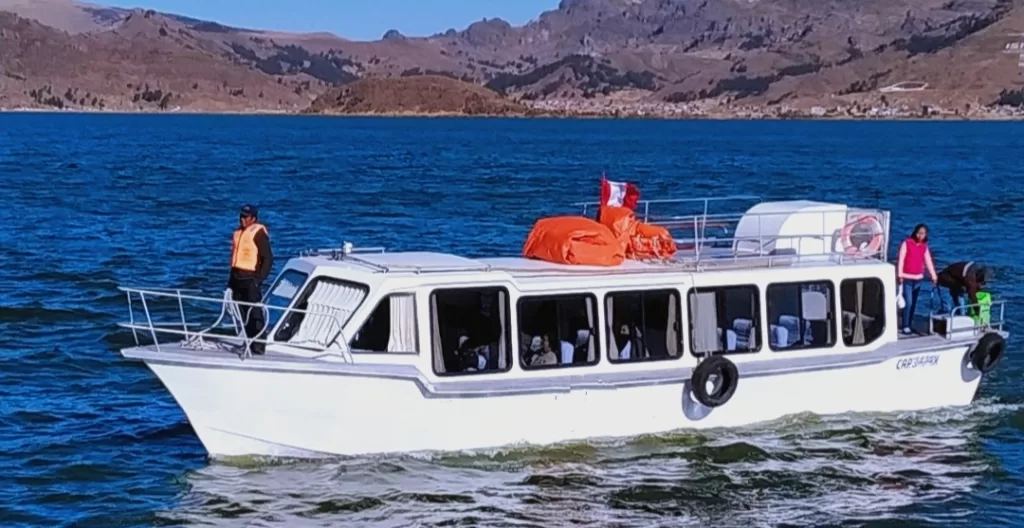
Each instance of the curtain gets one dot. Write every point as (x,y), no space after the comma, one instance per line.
(403,324)
(672,330)
(754,336)
(704,317)
(503,337)
(328,309)
(591,345)
(435,336)
(858,318)
(613,350)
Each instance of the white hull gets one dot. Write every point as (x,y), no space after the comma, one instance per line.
(240,411)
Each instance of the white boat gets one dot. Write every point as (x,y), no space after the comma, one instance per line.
(792,309)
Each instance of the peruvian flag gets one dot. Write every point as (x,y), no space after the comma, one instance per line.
(618,194)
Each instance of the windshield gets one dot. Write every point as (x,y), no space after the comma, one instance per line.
(282,293)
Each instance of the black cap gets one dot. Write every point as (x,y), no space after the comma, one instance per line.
(250,210)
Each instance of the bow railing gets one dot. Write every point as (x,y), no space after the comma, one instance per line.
(227,331)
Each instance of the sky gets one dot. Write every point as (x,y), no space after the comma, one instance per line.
(352,19)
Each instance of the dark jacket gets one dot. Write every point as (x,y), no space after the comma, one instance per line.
(264,260)
(962,277)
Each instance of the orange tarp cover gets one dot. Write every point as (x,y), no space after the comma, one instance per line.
(637,239)
(573,240)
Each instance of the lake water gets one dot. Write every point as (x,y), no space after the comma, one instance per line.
(91,202)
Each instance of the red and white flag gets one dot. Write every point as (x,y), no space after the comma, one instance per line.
(619,194)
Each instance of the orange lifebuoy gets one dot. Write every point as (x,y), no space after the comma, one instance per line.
(863,249)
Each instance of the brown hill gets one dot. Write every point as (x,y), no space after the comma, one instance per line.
(427,94)
(146,62)
(758,52)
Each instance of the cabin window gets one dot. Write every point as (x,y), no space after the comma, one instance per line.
(557,331)
(643,326)
(724,319)
(281,294)
(390,328)
(863,308)
(321,311)
(470,331)
(801,315)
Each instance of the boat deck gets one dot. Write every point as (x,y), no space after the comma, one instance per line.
(774,234)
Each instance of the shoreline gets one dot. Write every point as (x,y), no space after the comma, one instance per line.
(724,116)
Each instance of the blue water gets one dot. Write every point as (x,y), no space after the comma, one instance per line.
(91,202)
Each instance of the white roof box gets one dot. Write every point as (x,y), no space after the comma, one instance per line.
(797,227)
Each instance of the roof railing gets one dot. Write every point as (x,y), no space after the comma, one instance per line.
(706,240)
(643,207)
(338,253)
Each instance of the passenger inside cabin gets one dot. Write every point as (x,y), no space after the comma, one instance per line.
(472,358)
(914,258)
(541,354)
(959,278)
(576,352)
(469,330)
(627,341)
(561,324)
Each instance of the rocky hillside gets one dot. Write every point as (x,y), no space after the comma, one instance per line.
(146,62)
(425,94)
(759,52)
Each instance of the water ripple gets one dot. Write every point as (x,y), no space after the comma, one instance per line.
(95,202)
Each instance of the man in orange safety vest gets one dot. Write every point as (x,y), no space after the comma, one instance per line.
(251,260)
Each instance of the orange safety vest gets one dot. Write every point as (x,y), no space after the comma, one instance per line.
(244,254)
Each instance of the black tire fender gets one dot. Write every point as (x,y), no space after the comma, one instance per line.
(988,352)
(724,375)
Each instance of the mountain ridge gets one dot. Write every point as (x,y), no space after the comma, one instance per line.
(729,52)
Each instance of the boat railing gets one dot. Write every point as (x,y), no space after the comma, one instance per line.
(355,255)
(229,319)
(700,206)
(347,249)
(993,320)
(703,227)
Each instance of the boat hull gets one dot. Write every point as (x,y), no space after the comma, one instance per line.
(240,411)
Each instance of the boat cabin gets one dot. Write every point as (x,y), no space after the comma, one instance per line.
(782,279)
(794,278)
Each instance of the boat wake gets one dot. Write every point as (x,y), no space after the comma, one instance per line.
(799,470)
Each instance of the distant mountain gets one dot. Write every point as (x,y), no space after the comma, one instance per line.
(758,52)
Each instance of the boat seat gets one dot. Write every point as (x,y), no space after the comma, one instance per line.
(744,328)
(778,336)
(730,339)
(792,325)
(850,317)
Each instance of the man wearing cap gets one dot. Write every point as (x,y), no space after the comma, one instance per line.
(251,260)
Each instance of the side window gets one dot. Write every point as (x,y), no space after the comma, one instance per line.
(469,331)
(321,311)
(724,319)
(390,328)
(863,310)
(557,331)
(643,326)
(801,315)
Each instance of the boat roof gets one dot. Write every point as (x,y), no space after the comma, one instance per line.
(423,262)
